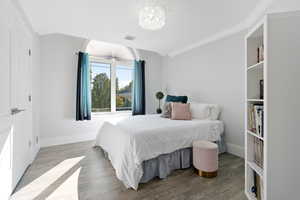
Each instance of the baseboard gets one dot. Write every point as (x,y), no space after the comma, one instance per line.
(236,150)
(35,152)
(46,142)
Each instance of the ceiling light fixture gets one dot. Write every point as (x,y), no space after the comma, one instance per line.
(152,17)
(129,37)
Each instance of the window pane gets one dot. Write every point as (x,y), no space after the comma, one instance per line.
(124,77)
(100,86)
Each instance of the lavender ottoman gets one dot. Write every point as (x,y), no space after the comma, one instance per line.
(205,158)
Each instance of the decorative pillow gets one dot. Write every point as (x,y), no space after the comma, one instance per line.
(182,99)
(205,111)
(215,111)
(181,111)
(167,110)
(200,110)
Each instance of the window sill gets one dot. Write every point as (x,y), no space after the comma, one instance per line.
(111,114)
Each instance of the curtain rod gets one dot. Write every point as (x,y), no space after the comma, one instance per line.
(103,57)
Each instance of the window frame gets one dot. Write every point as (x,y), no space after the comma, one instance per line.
(113,75)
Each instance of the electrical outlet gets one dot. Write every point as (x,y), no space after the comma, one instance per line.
(29,143)
(37,139)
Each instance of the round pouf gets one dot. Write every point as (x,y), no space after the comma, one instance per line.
(205,158)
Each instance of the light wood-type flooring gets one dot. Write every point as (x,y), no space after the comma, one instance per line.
(80,172)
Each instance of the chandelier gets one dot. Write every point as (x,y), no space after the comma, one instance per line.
(152,17)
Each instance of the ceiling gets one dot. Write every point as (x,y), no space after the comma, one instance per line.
(188,22)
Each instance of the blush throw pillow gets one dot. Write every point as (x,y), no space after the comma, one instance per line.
(181,111)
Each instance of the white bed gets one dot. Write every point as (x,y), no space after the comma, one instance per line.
(134,139)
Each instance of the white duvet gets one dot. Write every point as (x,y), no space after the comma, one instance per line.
(133,140)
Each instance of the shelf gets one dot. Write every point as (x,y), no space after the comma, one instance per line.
(255,100)
(256,168)
(257,65)
(255,135)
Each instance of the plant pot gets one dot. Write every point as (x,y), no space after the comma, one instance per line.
(158,111)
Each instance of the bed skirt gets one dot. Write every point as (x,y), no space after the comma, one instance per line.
(164,164)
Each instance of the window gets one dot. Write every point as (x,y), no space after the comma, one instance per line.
(111,85)
(101,87)
(124,87)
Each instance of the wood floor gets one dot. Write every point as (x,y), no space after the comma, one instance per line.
(80,172)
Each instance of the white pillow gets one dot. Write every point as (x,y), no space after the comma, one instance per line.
(205,111)
(215,111)
(199,110)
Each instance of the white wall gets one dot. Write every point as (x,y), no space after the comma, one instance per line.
(213,73)
(153,75)
(58,94)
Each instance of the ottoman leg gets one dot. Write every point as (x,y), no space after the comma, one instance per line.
(207,174)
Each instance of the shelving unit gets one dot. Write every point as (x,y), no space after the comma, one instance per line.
(256,168)
(257,65)
(277,172)
(255,135)
(255,71)
(255,100)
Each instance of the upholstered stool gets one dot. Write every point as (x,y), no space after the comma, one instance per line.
(205,158)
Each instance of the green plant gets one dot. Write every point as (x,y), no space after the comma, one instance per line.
(159,95)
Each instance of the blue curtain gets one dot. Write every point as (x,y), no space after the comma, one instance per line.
(138,103)
(83,99)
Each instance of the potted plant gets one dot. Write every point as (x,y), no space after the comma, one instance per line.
(159,95)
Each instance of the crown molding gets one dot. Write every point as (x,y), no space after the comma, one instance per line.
(259,10)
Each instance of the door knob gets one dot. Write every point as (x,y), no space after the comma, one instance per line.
(14,111)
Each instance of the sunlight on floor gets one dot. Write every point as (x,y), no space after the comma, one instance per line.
(67,190)
(5,162)
(47,180)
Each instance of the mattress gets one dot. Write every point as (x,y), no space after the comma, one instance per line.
(132,140)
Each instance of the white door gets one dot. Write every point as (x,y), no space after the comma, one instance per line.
(15,107)
(5,116)
(20,101)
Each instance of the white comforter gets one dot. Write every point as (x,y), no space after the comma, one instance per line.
(133,140)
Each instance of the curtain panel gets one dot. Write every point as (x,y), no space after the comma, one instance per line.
(83,99)
(138,104)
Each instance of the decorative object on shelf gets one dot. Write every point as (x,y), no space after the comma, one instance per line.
(152,15)
(159,95)
(261,89)
(256,189)
(260,53)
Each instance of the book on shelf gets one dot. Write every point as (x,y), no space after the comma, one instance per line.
(261,89)
(258,152)
(256,119)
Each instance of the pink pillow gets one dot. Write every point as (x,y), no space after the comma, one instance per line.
(181,111)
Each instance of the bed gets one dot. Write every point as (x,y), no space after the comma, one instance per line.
(136,145)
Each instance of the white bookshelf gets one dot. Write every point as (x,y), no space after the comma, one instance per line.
(280,69)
